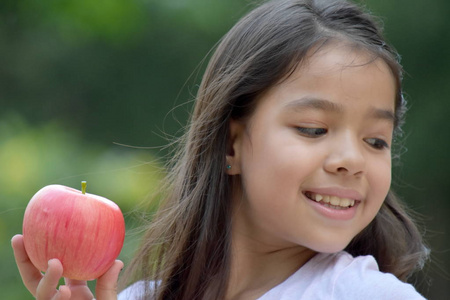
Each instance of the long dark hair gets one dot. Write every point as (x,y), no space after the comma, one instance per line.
(187,246)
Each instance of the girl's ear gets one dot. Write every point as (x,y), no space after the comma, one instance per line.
(234,147)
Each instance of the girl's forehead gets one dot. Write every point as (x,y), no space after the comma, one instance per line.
(338,56)
(338,59)
(338,72)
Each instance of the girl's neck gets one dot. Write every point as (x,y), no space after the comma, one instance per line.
(257,267)
(252,275)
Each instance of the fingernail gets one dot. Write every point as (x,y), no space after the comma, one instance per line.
(14,237)
(48,263)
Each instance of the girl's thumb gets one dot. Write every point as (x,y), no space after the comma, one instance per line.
(106,287)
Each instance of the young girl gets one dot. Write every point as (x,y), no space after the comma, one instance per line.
(281,189)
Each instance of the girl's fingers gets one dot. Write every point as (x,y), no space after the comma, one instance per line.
(73,282)
(106,287)
(46,288)
(30,275)
(40,286)
(79,288)
(63,293)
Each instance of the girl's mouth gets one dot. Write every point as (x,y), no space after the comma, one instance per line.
(331,201)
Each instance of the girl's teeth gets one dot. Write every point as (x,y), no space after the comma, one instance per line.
(345,202)
(333,200)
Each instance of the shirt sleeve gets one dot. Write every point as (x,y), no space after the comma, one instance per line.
(136,291)
(361,279)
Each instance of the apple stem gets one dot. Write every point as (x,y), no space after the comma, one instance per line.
(83,187)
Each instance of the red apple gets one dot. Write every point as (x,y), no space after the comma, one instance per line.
(84,231)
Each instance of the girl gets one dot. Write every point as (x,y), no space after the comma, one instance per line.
(281,189)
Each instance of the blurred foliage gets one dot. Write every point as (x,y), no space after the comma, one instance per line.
(113,20)
(76,76)
(64,67)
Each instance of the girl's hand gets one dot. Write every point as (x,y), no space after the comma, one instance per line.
(44,286)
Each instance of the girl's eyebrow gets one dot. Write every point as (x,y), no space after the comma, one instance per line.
(383,114)
(314,103)
(329,106)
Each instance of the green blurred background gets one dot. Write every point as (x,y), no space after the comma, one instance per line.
(79,79)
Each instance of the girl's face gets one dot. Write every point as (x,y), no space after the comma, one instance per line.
(315,158)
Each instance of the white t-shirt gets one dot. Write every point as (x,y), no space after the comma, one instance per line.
(337,276)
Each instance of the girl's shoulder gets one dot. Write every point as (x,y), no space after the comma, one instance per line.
(342,276)
(360,278)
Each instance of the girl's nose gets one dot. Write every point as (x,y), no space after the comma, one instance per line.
(346,156)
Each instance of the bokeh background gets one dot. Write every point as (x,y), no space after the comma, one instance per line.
(93,90)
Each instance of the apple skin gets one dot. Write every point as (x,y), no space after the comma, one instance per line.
(84,231)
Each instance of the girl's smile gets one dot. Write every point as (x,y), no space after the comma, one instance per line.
(334,203)
(314,157)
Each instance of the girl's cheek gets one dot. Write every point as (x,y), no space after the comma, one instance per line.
(381,180)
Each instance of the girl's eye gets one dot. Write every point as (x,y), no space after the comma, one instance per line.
(312,132)
(378,144)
